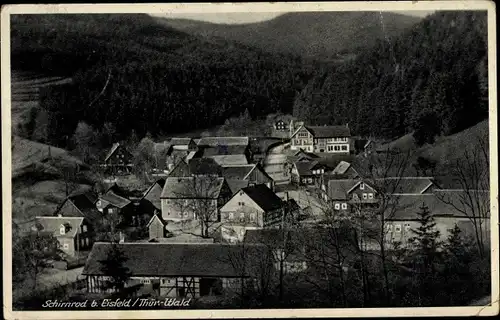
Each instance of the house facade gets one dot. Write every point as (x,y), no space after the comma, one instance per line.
(322,139)
(118,160)
(75,234)
(306,172)
(183,198)
(190,271)
(254,207)
(253,173)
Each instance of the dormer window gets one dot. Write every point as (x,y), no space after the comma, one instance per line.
(62,229)
(362,186)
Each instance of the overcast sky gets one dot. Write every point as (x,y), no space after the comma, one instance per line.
(248,17)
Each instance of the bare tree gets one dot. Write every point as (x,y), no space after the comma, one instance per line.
(199,197)
(471,173)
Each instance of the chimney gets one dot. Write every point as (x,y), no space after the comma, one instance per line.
(286,196)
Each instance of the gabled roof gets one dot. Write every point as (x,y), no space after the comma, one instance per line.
(53,225)
(305,168)
(113,149)
(173,259)
(441,203)
(180,141)
(181,169)
(236,185)
(341,168)
(159,182)
(223,141)
(204,166)
(237,171)
(157,217)
(222,150)
(329,131)
(231,159)
(339,189)
(85,203)
(115,199)
(198,187)
(264,197)
(406,185)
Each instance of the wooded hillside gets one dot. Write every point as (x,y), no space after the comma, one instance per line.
(139,75)
(432,79)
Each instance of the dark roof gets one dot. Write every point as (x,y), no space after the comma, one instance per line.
(113,149)
(169,259)
(236,185)
(204,166)
(85,202)
(53,224)
(181,169)
(237,171)
(338,188)
(360,144)
(223,150)
(305,168)
(198,187)
(223,141)
(263,197)
(329,131)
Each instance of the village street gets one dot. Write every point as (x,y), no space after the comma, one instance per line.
(274,163)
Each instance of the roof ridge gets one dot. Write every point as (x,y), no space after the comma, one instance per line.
(57,217)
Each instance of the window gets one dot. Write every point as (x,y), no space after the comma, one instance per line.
(231,215)
(252,217)
(111,210)
(344,148)
(407,227)
(337,206)
(370,196)
(84,228)
(242,232)
(62,229)
(389,228)
(303,134)
(65,246)
(397,228)
(364,196)
(329,148)
(330,140)
(336,148)
(362,186)
(344,206)
(355,196)
(87,242)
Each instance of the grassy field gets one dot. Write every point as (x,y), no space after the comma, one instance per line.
(37,185)
(25,89)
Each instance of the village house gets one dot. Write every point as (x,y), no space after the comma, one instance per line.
(131,207)
(320,139)
(253,207)
(183,270)
(75,234)
(118,160)
(306,172)
(80,205)
(346,195)
(345,170)
(253,173)
(153,193)
(181,196)
(446,206)
(227,154)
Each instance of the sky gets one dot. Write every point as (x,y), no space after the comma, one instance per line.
(248,17)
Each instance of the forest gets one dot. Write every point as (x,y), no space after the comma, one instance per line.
(431,80)
(139,76)
(144,77)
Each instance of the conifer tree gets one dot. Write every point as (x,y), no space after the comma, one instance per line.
(114,268)
(425,242)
